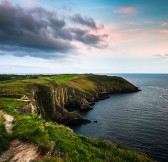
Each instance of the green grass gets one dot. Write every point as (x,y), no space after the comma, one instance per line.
(72,147)
(63,77)
(112,81)
(11,103)
(84,83)
(4,137)
(32,128)
(86,149)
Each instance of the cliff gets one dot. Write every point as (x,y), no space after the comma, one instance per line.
(54,96)
(34,139)
(25,103)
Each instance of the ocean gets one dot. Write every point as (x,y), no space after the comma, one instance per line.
(136,120)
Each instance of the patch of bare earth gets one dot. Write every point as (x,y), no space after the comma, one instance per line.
(8,122)
(20,152)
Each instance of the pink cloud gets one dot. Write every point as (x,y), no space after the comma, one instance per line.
(126,10)
(108,33)
(164,31)
(165,24)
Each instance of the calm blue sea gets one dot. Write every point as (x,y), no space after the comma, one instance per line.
(136,120)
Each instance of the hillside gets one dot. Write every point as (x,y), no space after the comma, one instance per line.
(53,96)
(39,104)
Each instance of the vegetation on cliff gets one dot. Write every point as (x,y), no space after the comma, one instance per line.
(52,96)
(32,99)
(68,146)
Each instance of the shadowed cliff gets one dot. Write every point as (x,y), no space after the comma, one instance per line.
(34,102)
(54,96)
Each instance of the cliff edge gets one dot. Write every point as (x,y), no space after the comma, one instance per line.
(54,97)
(31,108)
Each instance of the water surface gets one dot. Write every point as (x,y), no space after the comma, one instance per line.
(136,120)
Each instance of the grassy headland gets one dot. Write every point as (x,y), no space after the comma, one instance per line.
(48,97)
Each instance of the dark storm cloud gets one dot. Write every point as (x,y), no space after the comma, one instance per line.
(27,51)
(78,31)
(89,39)
(83,20)
(83,35)
(42,31)
(19,27)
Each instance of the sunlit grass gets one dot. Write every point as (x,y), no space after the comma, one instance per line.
(71,146)
(11,103)
(84,83)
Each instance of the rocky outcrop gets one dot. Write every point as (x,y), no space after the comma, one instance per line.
(55,101)
(85,105)
(20,151)
(24,98)
(103,95)
(51,103)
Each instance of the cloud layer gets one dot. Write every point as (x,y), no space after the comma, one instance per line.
(86,21)
(42,33)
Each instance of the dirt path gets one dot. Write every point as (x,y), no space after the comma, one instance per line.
(8,122)
(18,151)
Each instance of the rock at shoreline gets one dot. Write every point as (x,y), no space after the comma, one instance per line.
(85,105)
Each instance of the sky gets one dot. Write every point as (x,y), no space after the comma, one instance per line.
(83,36)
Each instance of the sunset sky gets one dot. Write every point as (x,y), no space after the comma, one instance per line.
(84,36)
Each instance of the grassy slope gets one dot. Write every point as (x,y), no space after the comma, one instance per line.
(17,86)
(70,146)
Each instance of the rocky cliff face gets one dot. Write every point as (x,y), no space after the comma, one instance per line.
(55,97)
(54,101)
